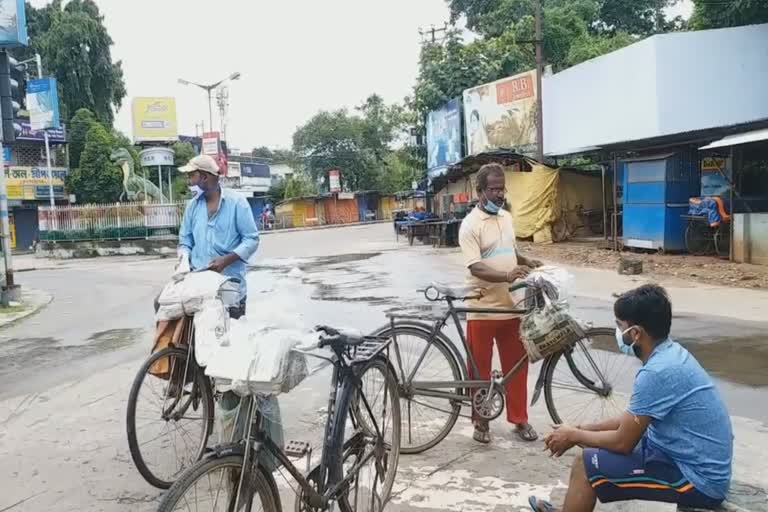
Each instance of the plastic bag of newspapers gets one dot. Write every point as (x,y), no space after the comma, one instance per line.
(549,326)
(186,296)
(260,360)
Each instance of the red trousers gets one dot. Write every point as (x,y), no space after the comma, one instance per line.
(480,337)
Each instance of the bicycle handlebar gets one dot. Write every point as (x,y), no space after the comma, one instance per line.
(432,294)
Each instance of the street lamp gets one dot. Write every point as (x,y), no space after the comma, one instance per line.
(209,89)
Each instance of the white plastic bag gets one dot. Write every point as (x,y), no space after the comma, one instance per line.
(259,359)
(211,330)
(549,327)
(187,295)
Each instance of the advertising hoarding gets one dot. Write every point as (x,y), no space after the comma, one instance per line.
(502,114)
(154,120)
(444,146)
(13,23)
(43,104)
(334,180)
(234,169)
(255,175)
(27,183)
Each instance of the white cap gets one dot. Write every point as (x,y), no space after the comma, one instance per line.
(202,163)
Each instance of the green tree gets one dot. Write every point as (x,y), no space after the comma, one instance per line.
(78,128)
(97,180)
(183,153)
(733,13)
(262,152)
(299,185)
(75,47)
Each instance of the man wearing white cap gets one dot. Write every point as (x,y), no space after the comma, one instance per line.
(218,231)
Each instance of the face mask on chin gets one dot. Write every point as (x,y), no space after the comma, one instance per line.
(491,207)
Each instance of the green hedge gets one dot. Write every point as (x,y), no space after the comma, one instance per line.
(105,234)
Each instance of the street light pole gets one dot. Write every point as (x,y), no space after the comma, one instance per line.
(539,72)
(209,90)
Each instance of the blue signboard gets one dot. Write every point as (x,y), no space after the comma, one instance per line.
(254,170)
(444,146)
(13,23)
(43,104)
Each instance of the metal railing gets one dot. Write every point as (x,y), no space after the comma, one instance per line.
(115,221)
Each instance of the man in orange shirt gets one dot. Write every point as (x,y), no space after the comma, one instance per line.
(488,244)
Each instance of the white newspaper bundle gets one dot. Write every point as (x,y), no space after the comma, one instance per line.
(549,327)
(260,360)
(211,330)
(186,296)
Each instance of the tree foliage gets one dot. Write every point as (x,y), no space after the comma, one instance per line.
(75,48)
(733,13)
(97,180)
(359,144)
(183,153)
(573,31)
(79,126)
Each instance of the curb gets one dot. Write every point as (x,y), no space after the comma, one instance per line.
(42,300)
(324,226)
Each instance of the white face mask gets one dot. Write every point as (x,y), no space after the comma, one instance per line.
(627,349)
(195,190)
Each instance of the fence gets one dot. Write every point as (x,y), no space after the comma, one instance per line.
(116,221)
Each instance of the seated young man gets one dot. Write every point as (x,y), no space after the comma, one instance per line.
(674,444)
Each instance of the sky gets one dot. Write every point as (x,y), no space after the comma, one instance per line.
(296,57)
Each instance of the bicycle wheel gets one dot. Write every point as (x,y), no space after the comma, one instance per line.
(426,420)
(168,424)
(567,397)
(368,460)
(211,486)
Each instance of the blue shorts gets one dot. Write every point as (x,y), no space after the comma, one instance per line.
(646,474)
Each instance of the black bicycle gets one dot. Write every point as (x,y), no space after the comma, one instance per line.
(360,451)
(434,382)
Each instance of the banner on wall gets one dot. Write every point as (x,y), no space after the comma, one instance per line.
(502,114)
(13,23)
(444,146)
(27,183)
(713,183)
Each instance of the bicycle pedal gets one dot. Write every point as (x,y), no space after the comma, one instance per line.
(297,449)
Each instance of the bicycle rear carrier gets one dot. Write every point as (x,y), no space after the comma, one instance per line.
(369,348)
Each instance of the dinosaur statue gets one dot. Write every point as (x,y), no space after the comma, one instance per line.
(134,187)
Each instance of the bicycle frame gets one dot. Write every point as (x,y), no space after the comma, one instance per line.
(258,441)
(433,388)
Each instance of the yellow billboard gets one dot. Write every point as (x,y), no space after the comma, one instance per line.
(154,120)
(33,184)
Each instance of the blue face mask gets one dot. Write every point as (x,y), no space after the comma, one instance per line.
(623,347)
(491,207)
(195,190)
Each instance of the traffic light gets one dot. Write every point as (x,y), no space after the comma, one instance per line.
(13,80)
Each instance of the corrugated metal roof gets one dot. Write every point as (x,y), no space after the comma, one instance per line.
(741,138)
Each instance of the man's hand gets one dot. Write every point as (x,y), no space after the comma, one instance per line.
(534,263)
(560,440)
(222,262)
(520,272)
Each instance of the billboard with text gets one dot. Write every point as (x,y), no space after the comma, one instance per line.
(444,146)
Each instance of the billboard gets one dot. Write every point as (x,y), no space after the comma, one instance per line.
(214,146)
(502,114)
(31,183)
(154,120)
(253,174)
(233,169)
(43,104)
(444,136)
(334,180)
(13,23)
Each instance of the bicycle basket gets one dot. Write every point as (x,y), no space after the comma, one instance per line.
(547,330)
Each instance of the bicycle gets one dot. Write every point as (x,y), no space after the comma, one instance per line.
(359,448)
(184,396)
(436,355)
(179,395)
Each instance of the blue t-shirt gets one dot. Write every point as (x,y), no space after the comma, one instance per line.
(689,420)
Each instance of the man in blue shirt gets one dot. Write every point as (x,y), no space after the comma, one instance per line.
(218,231)
(674,444)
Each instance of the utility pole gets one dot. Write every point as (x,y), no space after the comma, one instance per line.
(430,35)
(539,72)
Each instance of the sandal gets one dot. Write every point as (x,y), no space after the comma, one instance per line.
(526,432)
(482,433)
(538,505)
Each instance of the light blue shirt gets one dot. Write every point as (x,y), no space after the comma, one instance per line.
(231,229)
(689,421)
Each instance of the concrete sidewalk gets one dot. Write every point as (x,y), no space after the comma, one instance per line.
(32,301)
